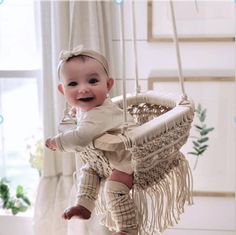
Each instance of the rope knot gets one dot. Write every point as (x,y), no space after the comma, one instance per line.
(184,100)
(65,55)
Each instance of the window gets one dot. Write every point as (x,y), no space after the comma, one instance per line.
(19,96)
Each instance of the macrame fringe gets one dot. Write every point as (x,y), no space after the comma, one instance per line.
(158,207)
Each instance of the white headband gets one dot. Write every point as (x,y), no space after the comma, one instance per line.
(79,50)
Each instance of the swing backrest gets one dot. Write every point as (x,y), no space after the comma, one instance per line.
(155,113)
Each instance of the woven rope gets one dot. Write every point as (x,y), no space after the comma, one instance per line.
(155,159)
(152,152)
(162,177)
(145,112)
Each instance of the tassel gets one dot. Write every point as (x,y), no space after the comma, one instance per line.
(160,206)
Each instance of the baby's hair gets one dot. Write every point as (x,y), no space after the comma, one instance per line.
(81,57)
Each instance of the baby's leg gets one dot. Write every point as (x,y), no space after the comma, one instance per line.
(86,195)
(119,202)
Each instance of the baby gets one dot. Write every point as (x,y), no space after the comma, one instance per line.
(85,83)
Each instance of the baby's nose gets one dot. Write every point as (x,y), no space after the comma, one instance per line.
(83,88)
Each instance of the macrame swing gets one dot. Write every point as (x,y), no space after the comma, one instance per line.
(163,180)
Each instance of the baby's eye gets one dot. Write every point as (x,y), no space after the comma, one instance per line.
(93,80)
(73,84)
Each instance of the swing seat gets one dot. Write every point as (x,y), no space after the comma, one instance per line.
(162,177)
(163,125)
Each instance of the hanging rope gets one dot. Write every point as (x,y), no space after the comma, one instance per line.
(176,42)
(123,69)
(72,25)
(66,118)
(137,86)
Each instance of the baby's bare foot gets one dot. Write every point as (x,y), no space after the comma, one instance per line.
(78,210)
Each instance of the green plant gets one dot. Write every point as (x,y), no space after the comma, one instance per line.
(17,203)
(200,142)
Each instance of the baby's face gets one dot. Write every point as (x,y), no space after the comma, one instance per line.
(85,84)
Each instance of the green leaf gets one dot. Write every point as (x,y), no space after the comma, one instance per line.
(203,147)
(9,204)
(19,189)
(22,208)
(202,116)
(193,153)
(4,191)
(206,131)
(198,127)
(201,151)
(202,140)
(26,200)
(196,143)
(4,204)
(199,108)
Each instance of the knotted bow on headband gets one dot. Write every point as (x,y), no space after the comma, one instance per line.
(65,55)
(79,50)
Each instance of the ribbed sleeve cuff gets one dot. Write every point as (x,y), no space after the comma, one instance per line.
(58,142)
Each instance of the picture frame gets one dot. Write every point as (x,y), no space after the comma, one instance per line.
(201,21)
(189,78)
(158,81)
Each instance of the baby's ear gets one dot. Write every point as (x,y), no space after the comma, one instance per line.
(110,83)
(60,88)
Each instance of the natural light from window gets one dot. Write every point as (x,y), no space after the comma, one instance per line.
(21,125)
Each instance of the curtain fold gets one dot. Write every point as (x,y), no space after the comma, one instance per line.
(91,27)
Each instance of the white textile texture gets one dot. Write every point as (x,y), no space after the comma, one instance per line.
(65,24)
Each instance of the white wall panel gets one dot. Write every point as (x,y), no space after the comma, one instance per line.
(161,56)
(141,20)
(11,225)
(216,169)
(197,232)
(208,216)
(155,57)
(130,84)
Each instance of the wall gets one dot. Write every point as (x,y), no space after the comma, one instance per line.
(20,225)
(216,169)
(159,57)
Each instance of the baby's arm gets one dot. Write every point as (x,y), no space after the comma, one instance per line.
(75,139)
(93,125)
(51,142)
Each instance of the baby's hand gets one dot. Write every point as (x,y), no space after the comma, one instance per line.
(51,144)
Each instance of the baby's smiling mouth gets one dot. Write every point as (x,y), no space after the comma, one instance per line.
(86,99)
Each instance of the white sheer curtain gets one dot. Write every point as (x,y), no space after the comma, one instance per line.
(92,28)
